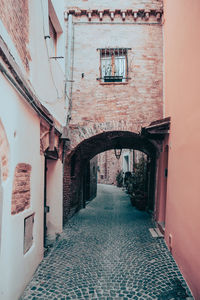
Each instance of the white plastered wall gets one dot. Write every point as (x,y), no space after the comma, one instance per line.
(22,127)
(46,73)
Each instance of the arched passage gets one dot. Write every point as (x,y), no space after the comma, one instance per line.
(76,161)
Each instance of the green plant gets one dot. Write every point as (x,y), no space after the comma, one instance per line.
(136,186)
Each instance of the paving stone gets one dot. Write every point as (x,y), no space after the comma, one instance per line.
(107,252)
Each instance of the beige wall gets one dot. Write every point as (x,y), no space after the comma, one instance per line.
(182,90)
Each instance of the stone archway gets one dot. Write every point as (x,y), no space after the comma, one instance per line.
(77,158)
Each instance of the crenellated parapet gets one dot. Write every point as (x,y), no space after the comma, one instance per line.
(139,15)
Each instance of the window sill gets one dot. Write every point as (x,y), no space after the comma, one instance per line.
(113,83)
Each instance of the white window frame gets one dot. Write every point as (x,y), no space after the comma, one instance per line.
(114,65)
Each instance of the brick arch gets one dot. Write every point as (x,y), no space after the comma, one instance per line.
(76,160)
(108,140)
(4,153)
(79,133)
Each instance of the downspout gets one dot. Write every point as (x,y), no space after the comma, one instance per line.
(69,66)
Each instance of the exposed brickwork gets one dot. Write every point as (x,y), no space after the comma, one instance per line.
(21,188)
(15,17)
(108,167)
(98,107)
(72,185)
(117,4)
(4,153)
(80,133)
(78,189)
(73,181)
(99,110)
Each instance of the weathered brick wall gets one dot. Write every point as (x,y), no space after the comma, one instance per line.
(21,193)
(108,167)
(117,4)
(80,186)
(15,17)
(97,107)
(138,101)
(72,186)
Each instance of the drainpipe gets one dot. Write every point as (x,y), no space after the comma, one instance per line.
(69,66)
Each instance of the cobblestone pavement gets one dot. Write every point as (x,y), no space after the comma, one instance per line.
(107,252)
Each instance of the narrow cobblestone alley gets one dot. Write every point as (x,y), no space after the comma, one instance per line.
(107,252)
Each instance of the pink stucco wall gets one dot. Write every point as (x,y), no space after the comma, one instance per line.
(182,90)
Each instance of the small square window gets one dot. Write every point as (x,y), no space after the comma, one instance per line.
(28,232)
(114,65)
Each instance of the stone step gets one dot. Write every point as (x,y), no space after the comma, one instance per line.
(156,233)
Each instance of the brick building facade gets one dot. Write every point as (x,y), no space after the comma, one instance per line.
(114,80)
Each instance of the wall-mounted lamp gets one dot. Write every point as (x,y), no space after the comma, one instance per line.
(118,153)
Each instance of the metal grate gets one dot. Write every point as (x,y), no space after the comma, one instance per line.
(114,64)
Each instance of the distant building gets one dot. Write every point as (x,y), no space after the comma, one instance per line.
(109,165)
